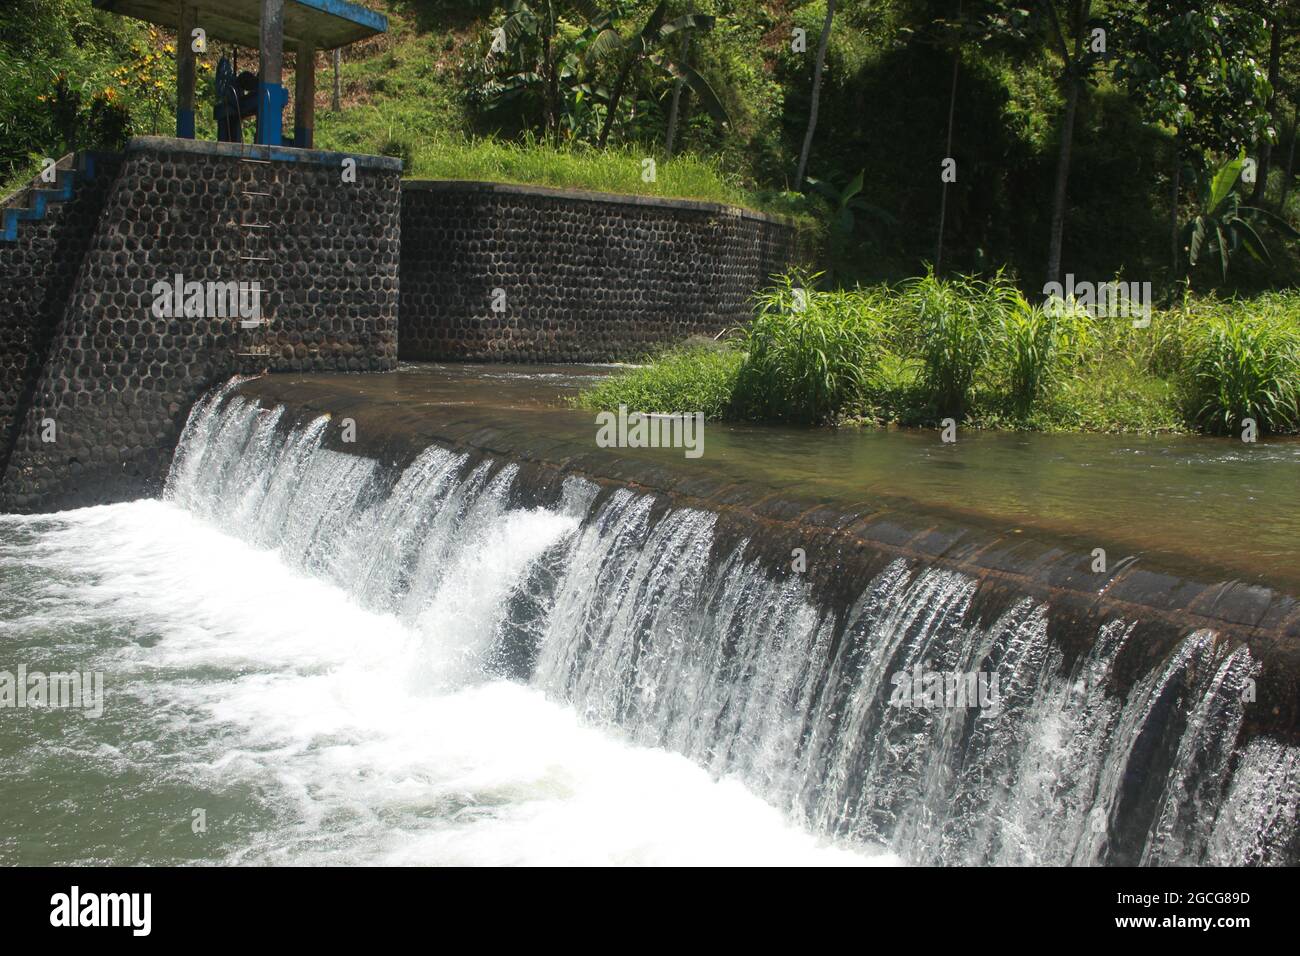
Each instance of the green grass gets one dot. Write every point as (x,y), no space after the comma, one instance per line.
(904,356)
(1112,398)
(576,167)
(1245,365)
(693,378)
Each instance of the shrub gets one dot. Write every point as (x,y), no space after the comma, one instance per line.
(1029,345)
(948,323)
(1245,365)
(810,355)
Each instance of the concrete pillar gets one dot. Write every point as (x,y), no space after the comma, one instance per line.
(185,71)
(304,97)
(271,97)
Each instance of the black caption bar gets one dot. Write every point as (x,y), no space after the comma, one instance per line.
(293,906)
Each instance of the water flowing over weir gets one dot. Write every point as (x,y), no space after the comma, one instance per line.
(637,614)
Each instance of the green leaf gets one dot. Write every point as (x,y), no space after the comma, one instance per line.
(1221,185)
(698,84)
(854,187)
(1254,245)
(1274,220)
(1196,239)
(606,44)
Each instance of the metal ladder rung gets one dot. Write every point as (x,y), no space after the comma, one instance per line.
(254,349)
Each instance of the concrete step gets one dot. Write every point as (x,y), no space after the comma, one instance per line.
(38,197)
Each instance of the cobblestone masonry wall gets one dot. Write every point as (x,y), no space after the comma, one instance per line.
(36,276)
(119,382)
(586,276)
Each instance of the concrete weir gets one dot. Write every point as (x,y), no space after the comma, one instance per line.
(1164,597)
(1145,715)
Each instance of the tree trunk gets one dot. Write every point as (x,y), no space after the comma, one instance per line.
(1266,147)
(1175,254)
(1062,178)
(1074,89)
(943,197)
(336,100)
(1290,161)
(677,99)
(549,121)
(816,95)
(613,104)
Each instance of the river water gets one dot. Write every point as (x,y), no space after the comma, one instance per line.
(307,661)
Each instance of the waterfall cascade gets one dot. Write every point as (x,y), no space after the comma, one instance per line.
(628,611)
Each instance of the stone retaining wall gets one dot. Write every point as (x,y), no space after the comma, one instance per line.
(493,272)
(95,384)
(119,380)
(36,276)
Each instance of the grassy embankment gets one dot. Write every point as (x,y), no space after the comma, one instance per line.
(980,353)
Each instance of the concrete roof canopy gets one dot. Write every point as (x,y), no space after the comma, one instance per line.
(325,24)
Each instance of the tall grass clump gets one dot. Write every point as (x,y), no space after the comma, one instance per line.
(810,355)
(950,324)
(1028,346)
(1244,362)
(691,378)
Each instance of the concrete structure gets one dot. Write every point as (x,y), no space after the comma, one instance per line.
(106,349)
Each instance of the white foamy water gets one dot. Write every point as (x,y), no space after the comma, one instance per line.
(363,737)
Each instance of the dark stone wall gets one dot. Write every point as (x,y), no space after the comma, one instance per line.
(588,277)
(36,276)
(118,381)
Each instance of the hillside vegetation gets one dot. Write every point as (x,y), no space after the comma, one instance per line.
(581,94)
